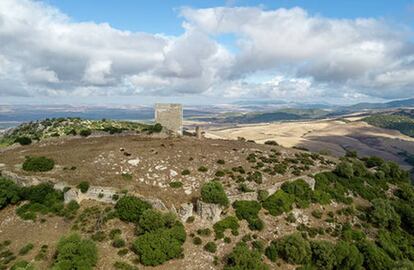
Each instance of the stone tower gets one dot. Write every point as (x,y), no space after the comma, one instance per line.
(170,116)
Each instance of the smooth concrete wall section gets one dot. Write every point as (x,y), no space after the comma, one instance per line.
(170,116)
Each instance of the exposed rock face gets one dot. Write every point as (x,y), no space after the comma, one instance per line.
(185,211)
(209,211)
(300,217)
(71,195)
(310,181)
(23,180)
(248,196)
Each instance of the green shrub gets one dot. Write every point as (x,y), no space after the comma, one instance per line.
(271,142)
(278,203)
(176,184)
(213,192)
(202,169)
(114,233)
(221,162)
(300,190)
(185,172)
(323,256)
(130,208)
(317,213)
(249,211)
(26,249)
(159,246)
(85,132)
(204,232)
(98,236)
(83,186)
(9,193)
(38,164)
(22,265)
(347,256)
(242,258)
(219,174)
(118,242)
(23,140)
(229,222)
(292,248)
(262,195)
(72,252)
(374,257)
(344,169)
(256,177)
(210,247)
(124,266)
(197,241)
(382,214)
(152,220)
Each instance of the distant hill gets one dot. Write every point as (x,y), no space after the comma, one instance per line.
(260,117)
(387,105)
(402,121)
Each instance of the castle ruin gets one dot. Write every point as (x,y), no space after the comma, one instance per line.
(170,116)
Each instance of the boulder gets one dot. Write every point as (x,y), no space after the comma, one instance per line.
(71,195)
(209,211)
(185,211)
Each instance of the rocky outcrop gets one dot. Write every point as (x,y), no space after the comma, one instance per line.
(209,211)
(185,211)
(248,196)
(23,180)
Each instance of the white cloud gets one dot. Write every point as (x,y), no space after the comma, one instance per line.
(43,52)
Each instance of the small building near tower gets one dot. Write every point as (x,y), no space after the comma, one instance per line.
(170,116)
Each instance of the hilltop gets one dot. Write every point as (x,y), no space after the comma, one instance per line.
(143,200)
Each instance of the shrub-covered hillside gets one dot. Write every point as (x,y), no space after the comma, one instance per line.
(57,127)
(403,122)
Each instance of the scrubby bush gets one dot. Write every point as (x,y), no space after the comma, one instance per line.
(152,220)
(271,142)
(292,248)
(197,241)
(130,208)
(229,222)
(98,236)
(85,132)
(262,195)
(118,242)
(347,256)
(72,252)
(374,257)
(242,258)
(202,169)
(344,169)
(185,172)
(23,140)
(38,164)
(278,203)
(9,193)
(26,249)
(221,162)
(213,192)
(323,256)
(161,245)
(256,177)
(204,232)
(317,213)
(382,214)
(300,190)
(124,266)
(210,247)
(176,184)
(83,186)
(22,265)
(249,211)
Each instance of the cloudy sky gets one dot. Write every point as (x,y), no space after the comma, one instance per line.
(58,51)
